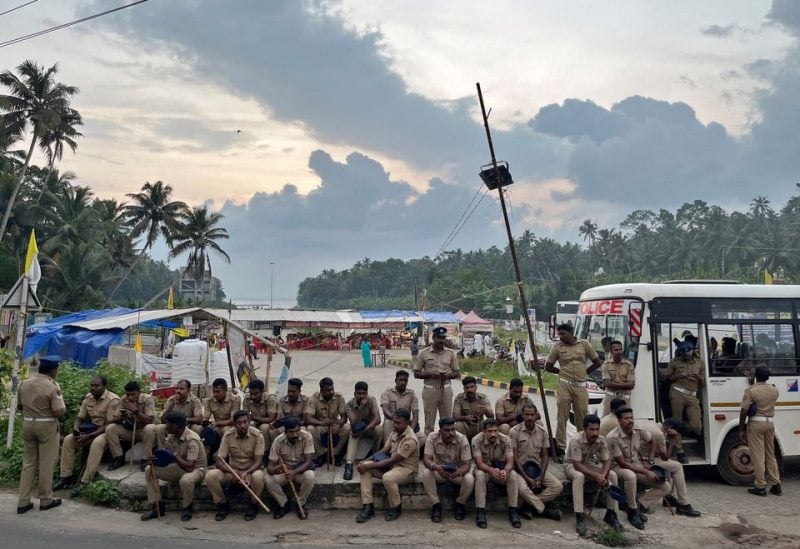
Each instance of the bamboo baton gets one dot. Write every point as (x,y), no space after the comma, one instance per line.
(600,490)
(154,479)
(300,510)
(329,461)
(246,487)
(133,442)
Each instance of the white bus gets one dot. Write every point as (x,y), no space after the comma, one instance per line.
(736,326)
(566,312)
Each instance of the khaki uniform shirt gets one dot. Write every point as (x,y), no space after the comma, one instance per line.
(287,409)
(222,411)
(680,366)
(579,450)
(480,407)
(242,451)
(320,408)
(146,406)
(367,412)
(505,406)
(100,411)
(501,450)
(764,396)
(622,372)
(192,407)
(457,451)
(608,423)
(188,446)
(529,443)
(39,396)
(572,359)
(405,444)
(266,407)
(408,400)
(657,437)
(292,454)
(629,447)
(430,361)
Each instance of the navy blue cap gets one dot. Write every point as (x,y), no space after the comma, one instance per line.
(617,494)
(163,457)
(380,456)
(49,362)
(532,469)
(359,426)
(440,331)
(450,467)
(660,472)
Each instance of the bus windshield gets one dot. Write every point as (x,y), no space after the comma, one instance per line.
(601,322)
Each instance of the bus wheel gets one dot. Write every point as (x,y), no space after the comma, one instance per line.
(734,462)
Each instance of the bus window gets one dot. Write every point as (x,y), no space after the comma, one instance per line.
(752,345)
(601,330)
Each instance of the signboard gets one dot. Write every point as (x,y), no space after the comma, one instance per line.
(602,307)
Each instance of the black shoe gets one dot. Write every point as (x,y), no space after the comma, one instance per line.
(187,513)
(580,524)
(513,517)
(66,482)
(282,510)
(337,461)
(252,511)
(222,511)
(480,518)
(366,513)
(320,461)
(687,511)
(552,514)
(116,463)
(154,512)
(78,490)
(682,458)
(436,512)
(25,508)
(635,519)
(670,501)
(643,511)
(758,491)
(53,503)
(302,512)
(776,490)
(394,513)
(459,511)
(612,520)
(527,512)
(348,471)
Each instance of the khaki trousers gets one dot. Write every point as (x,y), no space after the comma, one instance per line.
(116,433)
(392,479)
(511,483)
(631,480)
(274,485)
(761,440)
(40,439)
(677,479)
(216,477)
(690,405)
(469,429)
(552,489)
(98,446)
(436,399)
(173,474)
(431,479)
(352,444)
(387,427)
(578,481)
(316,432)
(570,396)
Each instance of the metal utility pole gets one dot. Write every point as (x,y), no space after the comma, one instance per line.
(271,271)
(496,176)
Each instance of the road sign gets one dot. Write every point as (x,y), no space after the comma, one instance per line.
(14,298)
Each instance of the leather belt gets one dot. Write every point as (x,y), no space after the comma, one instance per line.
(685,391)
(437,385)
(626,396)
(39,419)
(768,419)
(573,383)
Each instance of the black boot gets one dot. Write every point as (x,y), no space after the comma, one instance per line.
(459,511)
(635,519)
(348,471)
(480,518)
(776,490)
(513,517)
(612,520)
(527,512)
(187,513)
(367,512)
(580,524)
(552,514)
(116,463)
(436,512)
(758,491)
(65,482)
(154,512)
(281,510)
(394,513)
(252,511)
(222,511)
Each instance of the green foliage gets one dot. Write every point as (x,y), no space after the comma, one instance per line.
(6,369)
(10,458)
(101,492)
(611,537)
(482,367)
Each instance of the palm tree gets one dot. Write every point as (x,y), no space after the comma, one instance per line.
(760,207)
(151,215)
(64,133)
(588,230)
(36,101)
(198,235)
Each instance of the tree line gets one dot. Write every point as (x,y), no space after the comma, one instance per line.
(93,252)
(696,241)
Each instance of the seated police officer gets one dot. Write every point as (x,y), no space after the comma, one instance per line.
(447,458)
(291,459)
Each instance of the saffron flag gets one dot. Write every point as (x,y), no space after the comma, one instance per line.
(171,299)
(32,269)
(767,277)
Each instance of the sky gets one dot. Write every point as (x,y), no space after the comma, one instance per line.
(327,131)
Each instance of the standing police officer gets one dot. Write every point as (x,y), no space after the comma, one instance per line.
(757,430)
(436,365)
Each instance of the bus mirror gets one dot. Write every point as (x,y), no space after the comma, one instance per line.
(552,325)
(634,321)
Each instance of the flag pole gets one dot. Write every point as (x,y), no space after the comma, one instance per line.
(19,344)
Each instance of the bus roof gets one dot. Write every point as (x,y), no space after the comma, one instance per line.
(648,292)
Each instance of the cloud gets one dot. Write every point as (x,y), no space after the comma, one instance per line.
(786,13)
(719,31)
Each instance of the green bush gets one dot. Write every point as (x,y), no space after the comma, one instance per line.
(10,458)
(6,369)
(611,538)
(101,492)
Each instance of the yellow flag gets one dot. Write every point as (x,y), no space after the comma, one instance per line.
(767,277)
(32,269)
(171,299)
(137,346)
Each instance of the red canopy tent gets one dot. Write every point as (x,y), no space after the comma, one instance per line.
(472,323)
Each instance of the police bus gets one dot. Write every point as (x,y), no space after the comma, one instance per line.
(566,312)
(737,327)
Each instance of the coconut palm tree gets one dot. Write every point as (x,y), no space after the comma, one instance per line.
(54,140)
(152,214)
(198,234)
(588,230)
(36,102)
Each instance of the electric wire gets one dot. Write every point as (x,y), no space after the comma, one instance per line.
(18,7)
